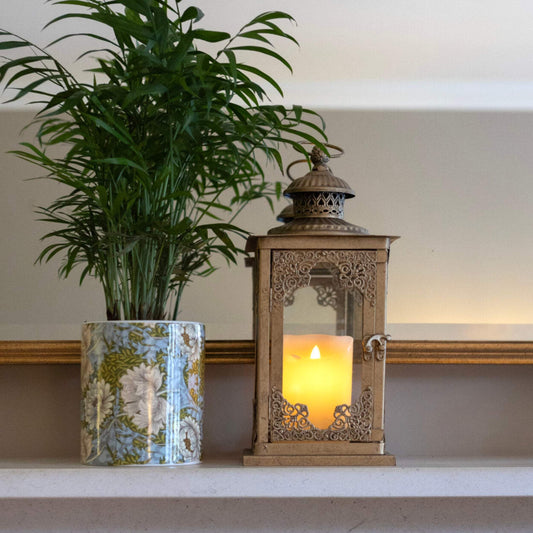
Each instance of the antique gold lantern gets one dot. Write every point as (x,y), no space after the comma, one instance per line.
(320,286)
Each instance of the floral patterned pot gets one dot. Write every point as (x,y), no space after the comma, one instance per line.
(141,392)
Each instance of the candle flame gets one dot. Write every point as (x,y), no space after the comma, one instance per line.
(315,353)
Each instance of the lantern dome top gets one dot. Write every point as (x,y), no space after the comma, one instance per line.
(319,179)
(318,200)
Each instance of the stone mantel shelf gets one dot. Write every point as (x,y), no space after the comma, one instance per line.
(412,478)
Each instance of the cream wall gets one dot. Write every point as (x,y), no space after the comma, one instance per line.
(455,185)
(467,54)
(431,102)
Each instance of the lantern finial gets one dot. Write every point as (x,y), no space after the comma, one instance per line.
(318,157)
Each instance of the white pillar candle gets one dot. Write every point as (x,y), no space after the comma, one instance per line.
(317,372)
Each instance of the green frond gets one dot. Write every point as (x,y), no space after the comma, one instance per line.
(161,150)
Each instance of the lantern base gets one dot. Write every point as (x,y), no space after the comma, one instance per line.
(386,459)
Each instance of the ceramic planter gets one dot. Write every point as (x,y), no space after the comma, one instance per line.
(141,392)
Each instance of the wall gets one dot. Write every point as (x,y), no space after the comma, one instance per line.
(462,54)
(455,185)
(451,411)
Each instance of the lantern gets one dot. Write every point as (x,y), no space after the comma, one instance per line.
(320,286)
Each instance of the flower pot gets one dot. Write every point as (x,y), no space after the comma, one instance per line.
(141,392)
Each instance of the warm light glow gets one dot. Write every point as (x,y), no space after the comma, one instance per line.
(317,372)
(315,353)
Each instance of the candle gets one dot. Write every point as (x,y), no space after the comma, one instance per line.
(317,371)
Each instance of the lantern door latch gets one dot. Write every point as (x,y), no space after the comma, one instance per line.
(376,342)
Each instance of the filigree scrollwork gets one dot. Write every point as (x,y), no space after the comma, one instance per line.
(326,296)
(351,422)
(292,417)
(289,301)
(323,204)
(353,270)
(377,343)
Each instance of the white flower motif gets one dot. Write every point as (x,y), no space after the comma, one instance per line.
(141,390)
(151,414)
(140,381)
(191,344)
(98,402)
(86,370)
(193,382)
(86,366)
(190,331)
(86,334)
(190,439)
(86,444)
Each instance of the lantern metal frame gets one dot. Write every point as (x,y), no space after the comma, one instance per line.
(363,259)
(314,237)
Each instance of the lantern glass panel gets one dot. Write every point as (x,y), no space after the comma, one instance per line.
(322,345)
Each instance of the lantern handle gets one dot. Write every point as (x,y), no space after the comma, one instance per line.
(318,157)
(288,171)
(378,341)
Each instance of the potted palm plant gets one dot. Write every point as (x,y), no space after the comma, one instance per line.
(161,150)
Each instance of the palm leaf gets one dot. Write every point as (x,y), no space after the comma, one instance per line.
(162,149)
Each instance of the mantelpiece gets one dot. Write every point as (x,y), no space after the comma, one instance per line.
(430,494)
(412,478)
